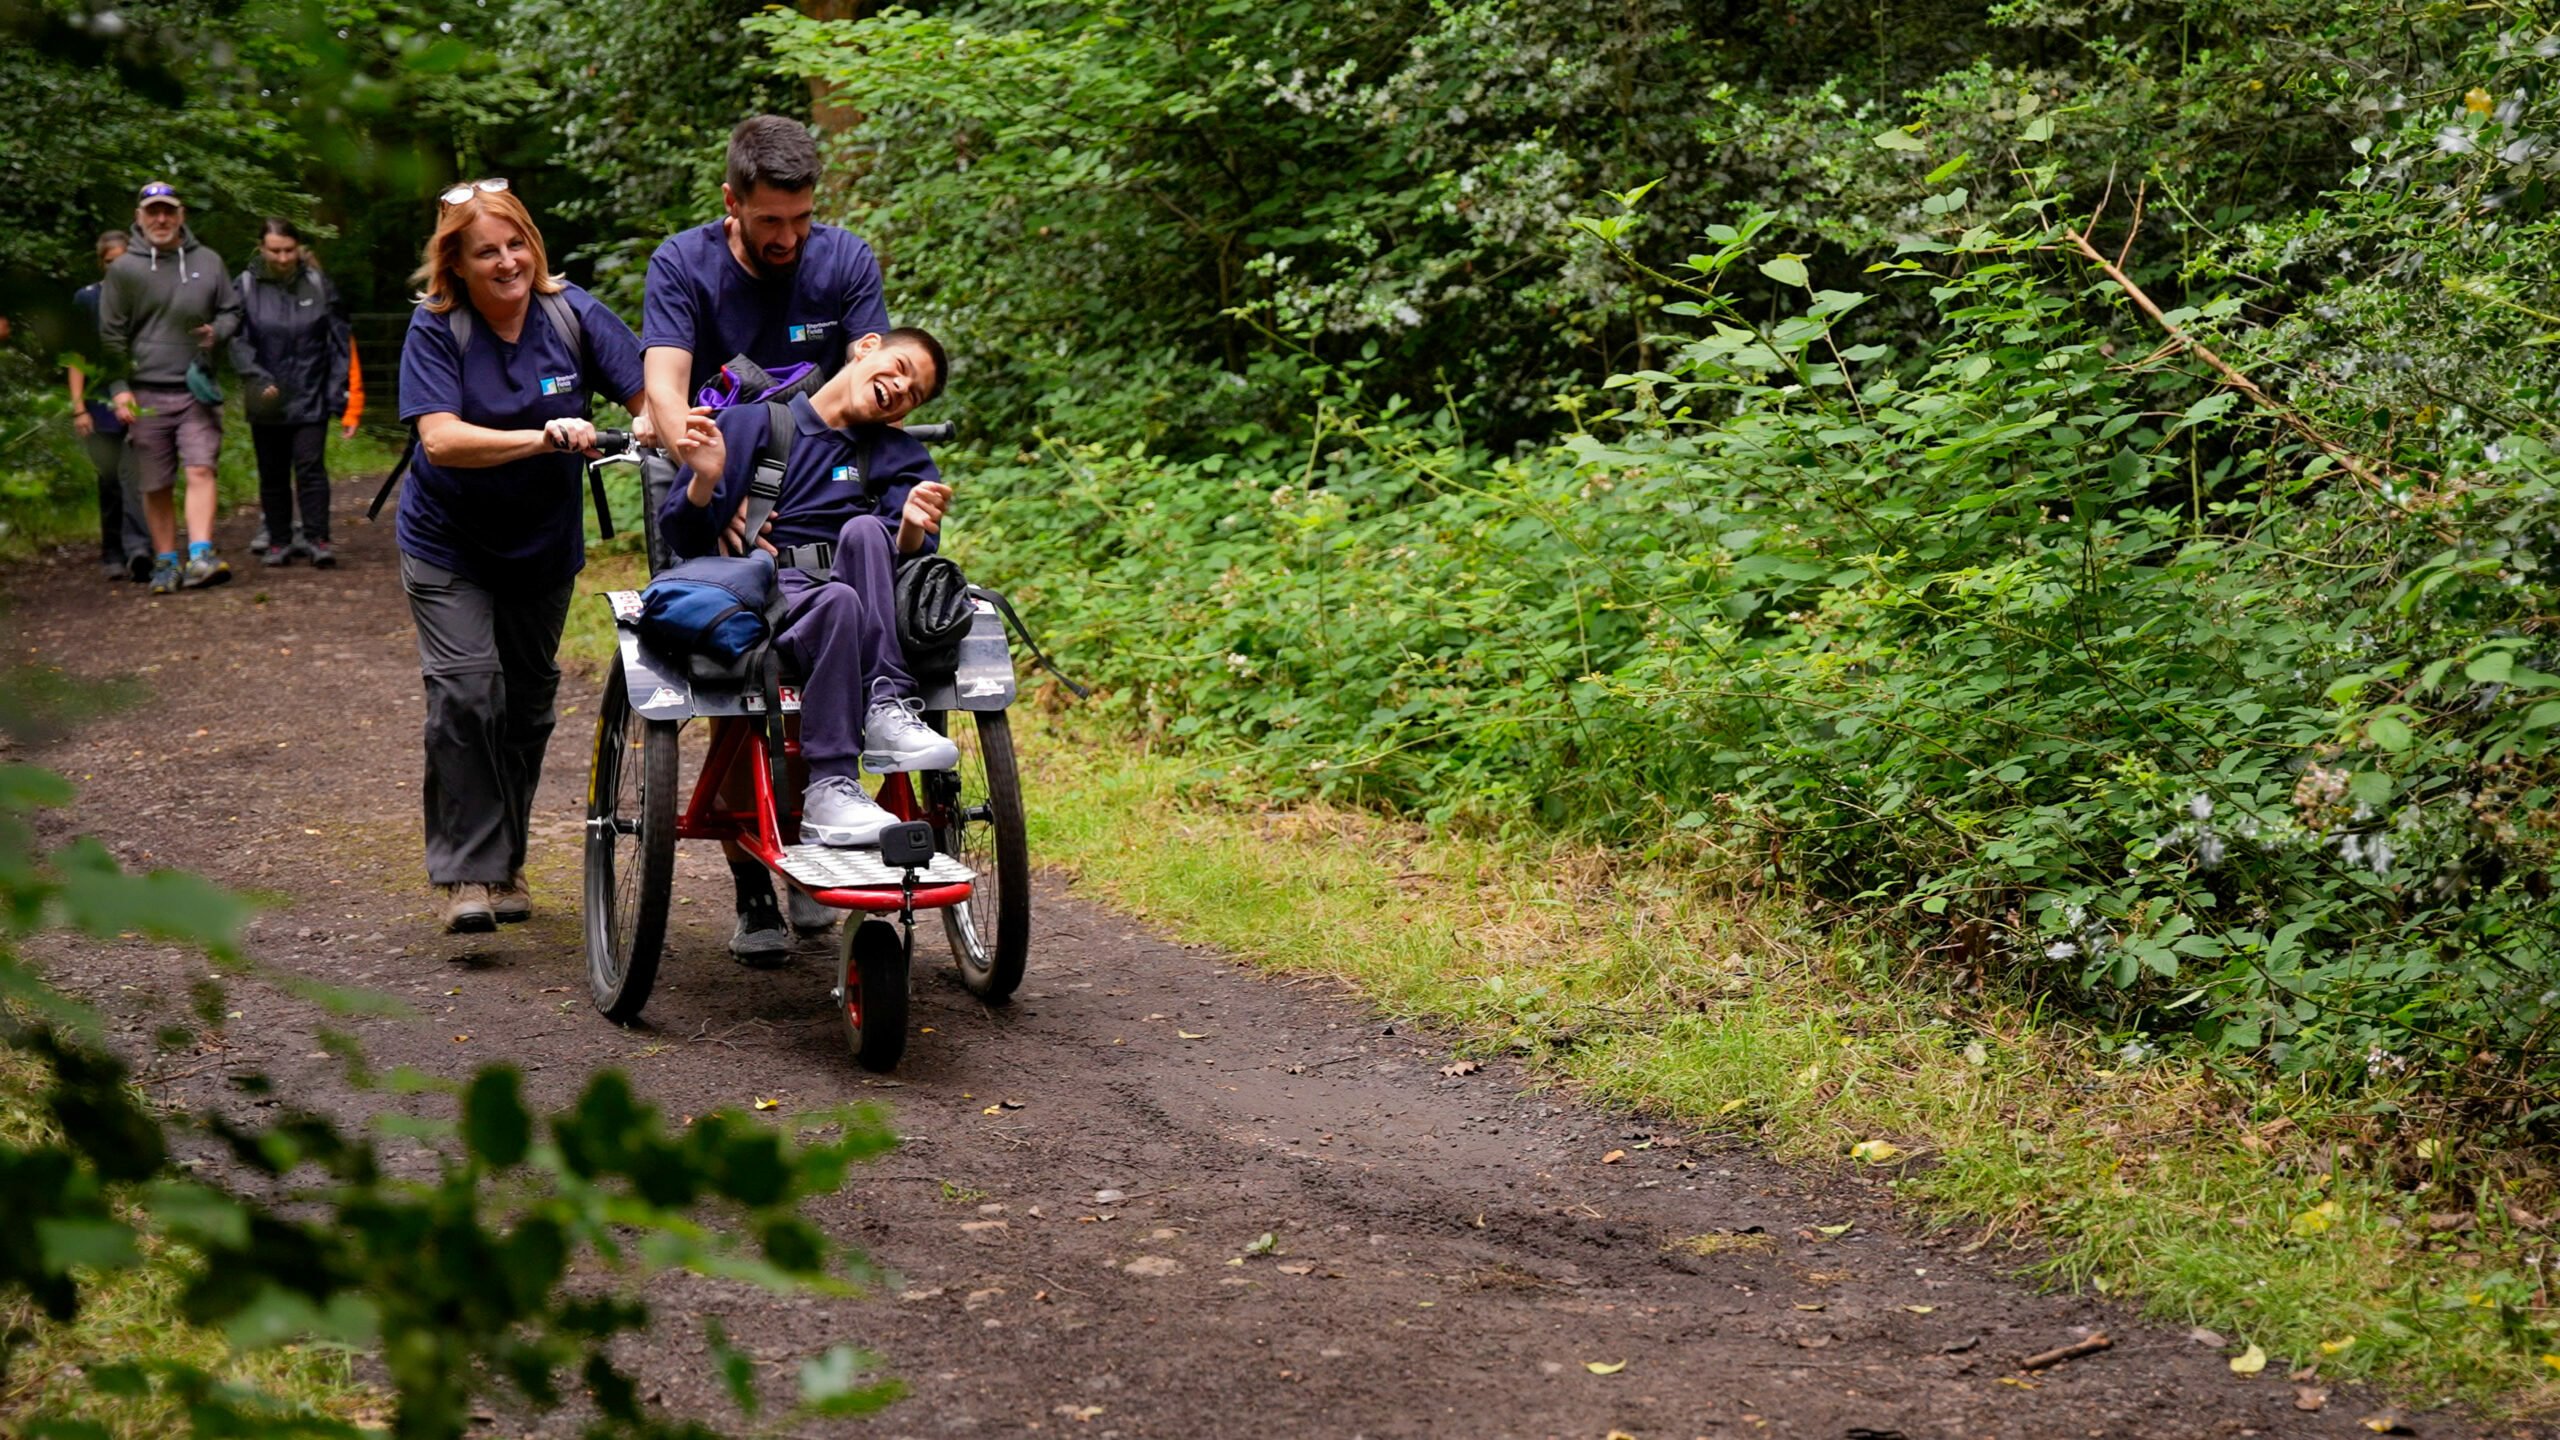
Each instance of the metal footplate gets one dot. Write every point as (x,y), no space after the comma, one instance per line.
(833,867)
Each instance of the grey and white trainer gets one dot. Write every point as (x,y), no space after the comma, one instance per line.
(837,812)
(895,739)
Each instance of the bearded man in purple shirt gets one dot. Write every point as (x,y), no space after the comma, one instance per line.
(767,283)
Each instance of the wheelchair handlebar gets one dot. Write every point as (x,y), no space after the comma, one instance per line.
(933,434)
(613,442)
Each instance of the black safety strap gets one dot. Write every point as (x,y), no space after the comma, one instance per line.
(1039,656)
(764,483)
(391,481)
(776,734)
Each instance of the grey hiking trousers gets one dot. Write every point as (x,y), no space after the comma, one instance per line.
(492,670)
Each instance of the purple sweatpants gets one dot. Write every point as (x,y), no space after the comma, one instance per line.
(840,633)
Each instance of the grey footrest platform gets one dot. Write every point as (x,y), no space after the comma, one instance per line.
(829,867)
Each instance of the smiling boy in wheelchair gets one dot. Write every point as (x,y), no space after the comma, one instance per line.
(855,493)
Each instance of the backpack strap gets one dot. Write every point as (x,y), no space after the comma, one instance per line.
(457,323)
(764,483)
(564,319)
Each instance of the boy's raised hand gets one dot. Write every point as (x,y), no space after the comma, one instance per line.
(927,503)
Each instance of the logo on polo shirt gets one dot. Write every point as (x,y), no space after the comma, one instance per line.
(559,384)
(846,475)
(814,330)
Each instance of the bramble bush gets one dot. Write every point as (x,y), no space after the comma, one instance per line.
(2019,635)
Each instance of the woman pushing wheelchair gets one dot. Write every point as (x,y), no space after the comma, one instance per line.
(855,494)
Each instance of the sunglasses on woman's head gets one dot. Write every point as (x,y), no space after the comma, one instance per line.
(460,193)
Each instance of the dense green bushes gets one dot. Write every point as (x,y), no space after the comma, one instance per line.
(2023,637)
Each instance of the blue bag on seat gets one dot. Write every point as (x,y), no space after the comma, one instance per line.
(714,608)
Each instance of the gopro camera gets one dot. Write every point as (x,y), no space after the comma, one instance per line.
(907,845)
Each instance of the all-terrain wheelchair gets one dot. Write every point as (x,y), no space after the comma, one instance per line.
(970,860)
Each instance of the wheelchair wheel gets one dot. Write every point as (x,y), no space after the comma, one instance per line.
(871,993)
(976,812)
(631,852)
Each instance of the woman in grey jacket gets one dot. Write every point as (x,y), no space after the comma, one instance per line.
(291,353)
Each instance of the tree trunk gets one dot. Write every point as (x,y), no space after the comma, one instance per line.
(829,114)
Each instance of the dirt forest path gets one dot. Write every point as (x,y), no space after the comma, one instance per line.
(1452,1256)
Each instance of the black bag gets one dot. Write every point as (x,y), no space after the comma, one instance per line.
(714,608)
(934,615)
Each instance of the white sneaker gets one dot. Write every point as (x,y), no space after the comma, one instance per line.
(895,738)
(835,811)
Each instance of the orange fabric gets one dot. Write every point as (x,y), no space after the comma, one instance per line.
(355,387)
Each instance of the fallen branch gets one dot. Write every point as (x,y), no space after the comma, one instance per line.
(2072,1351)
(2348,460)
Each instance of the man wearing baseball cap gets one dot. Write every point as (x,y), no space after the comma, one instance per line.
(163,307)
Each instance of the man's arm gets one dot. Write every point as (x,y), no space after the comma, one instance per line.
(666,371)
(81,424)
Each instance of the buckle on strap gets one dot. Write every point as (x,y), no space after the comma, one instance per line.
(818,557)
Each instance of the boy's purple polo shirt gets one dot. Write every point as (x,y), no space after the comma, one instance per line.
(519,526)
(701,299)
(823,480)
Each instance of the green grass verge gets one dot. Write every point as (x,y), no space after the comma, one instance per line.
(2204,1195)
(134,1313)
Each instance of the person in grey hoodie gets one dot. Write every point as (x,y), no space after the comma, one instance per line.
(164,306)
(291,353)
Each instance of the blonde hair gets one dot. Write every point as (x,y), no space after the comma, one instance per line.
(439,278)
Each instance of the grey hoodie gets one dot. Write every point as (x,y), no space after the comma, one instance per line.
(150,304)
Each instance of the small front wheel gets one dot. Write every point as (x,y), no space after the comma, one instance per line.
(631,852)
(976,810)
(871,992)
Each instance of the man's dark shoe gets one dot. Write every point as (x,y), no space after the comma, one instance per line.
(808,917)
(323,557)
(137,568)
(760,939)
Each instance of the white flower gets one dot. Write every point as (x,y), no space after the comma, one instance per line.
(2061,950)
(2201,806)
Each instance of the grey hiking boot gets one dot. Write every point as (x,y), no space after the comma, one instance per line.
(165,575)
(895,738)
(204,570)
(302,545)
(837,812)
(760,938)
(808,917)
(467,910)
(323,557)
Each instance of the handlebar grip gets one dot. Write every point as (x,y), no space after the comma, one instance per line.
(613,442)
(933,434)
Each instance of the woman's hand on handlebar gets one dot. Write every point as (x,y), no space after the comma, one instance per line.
(572,434)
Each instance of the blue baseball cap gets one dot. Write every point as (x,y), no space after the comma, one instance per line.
(160,192)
